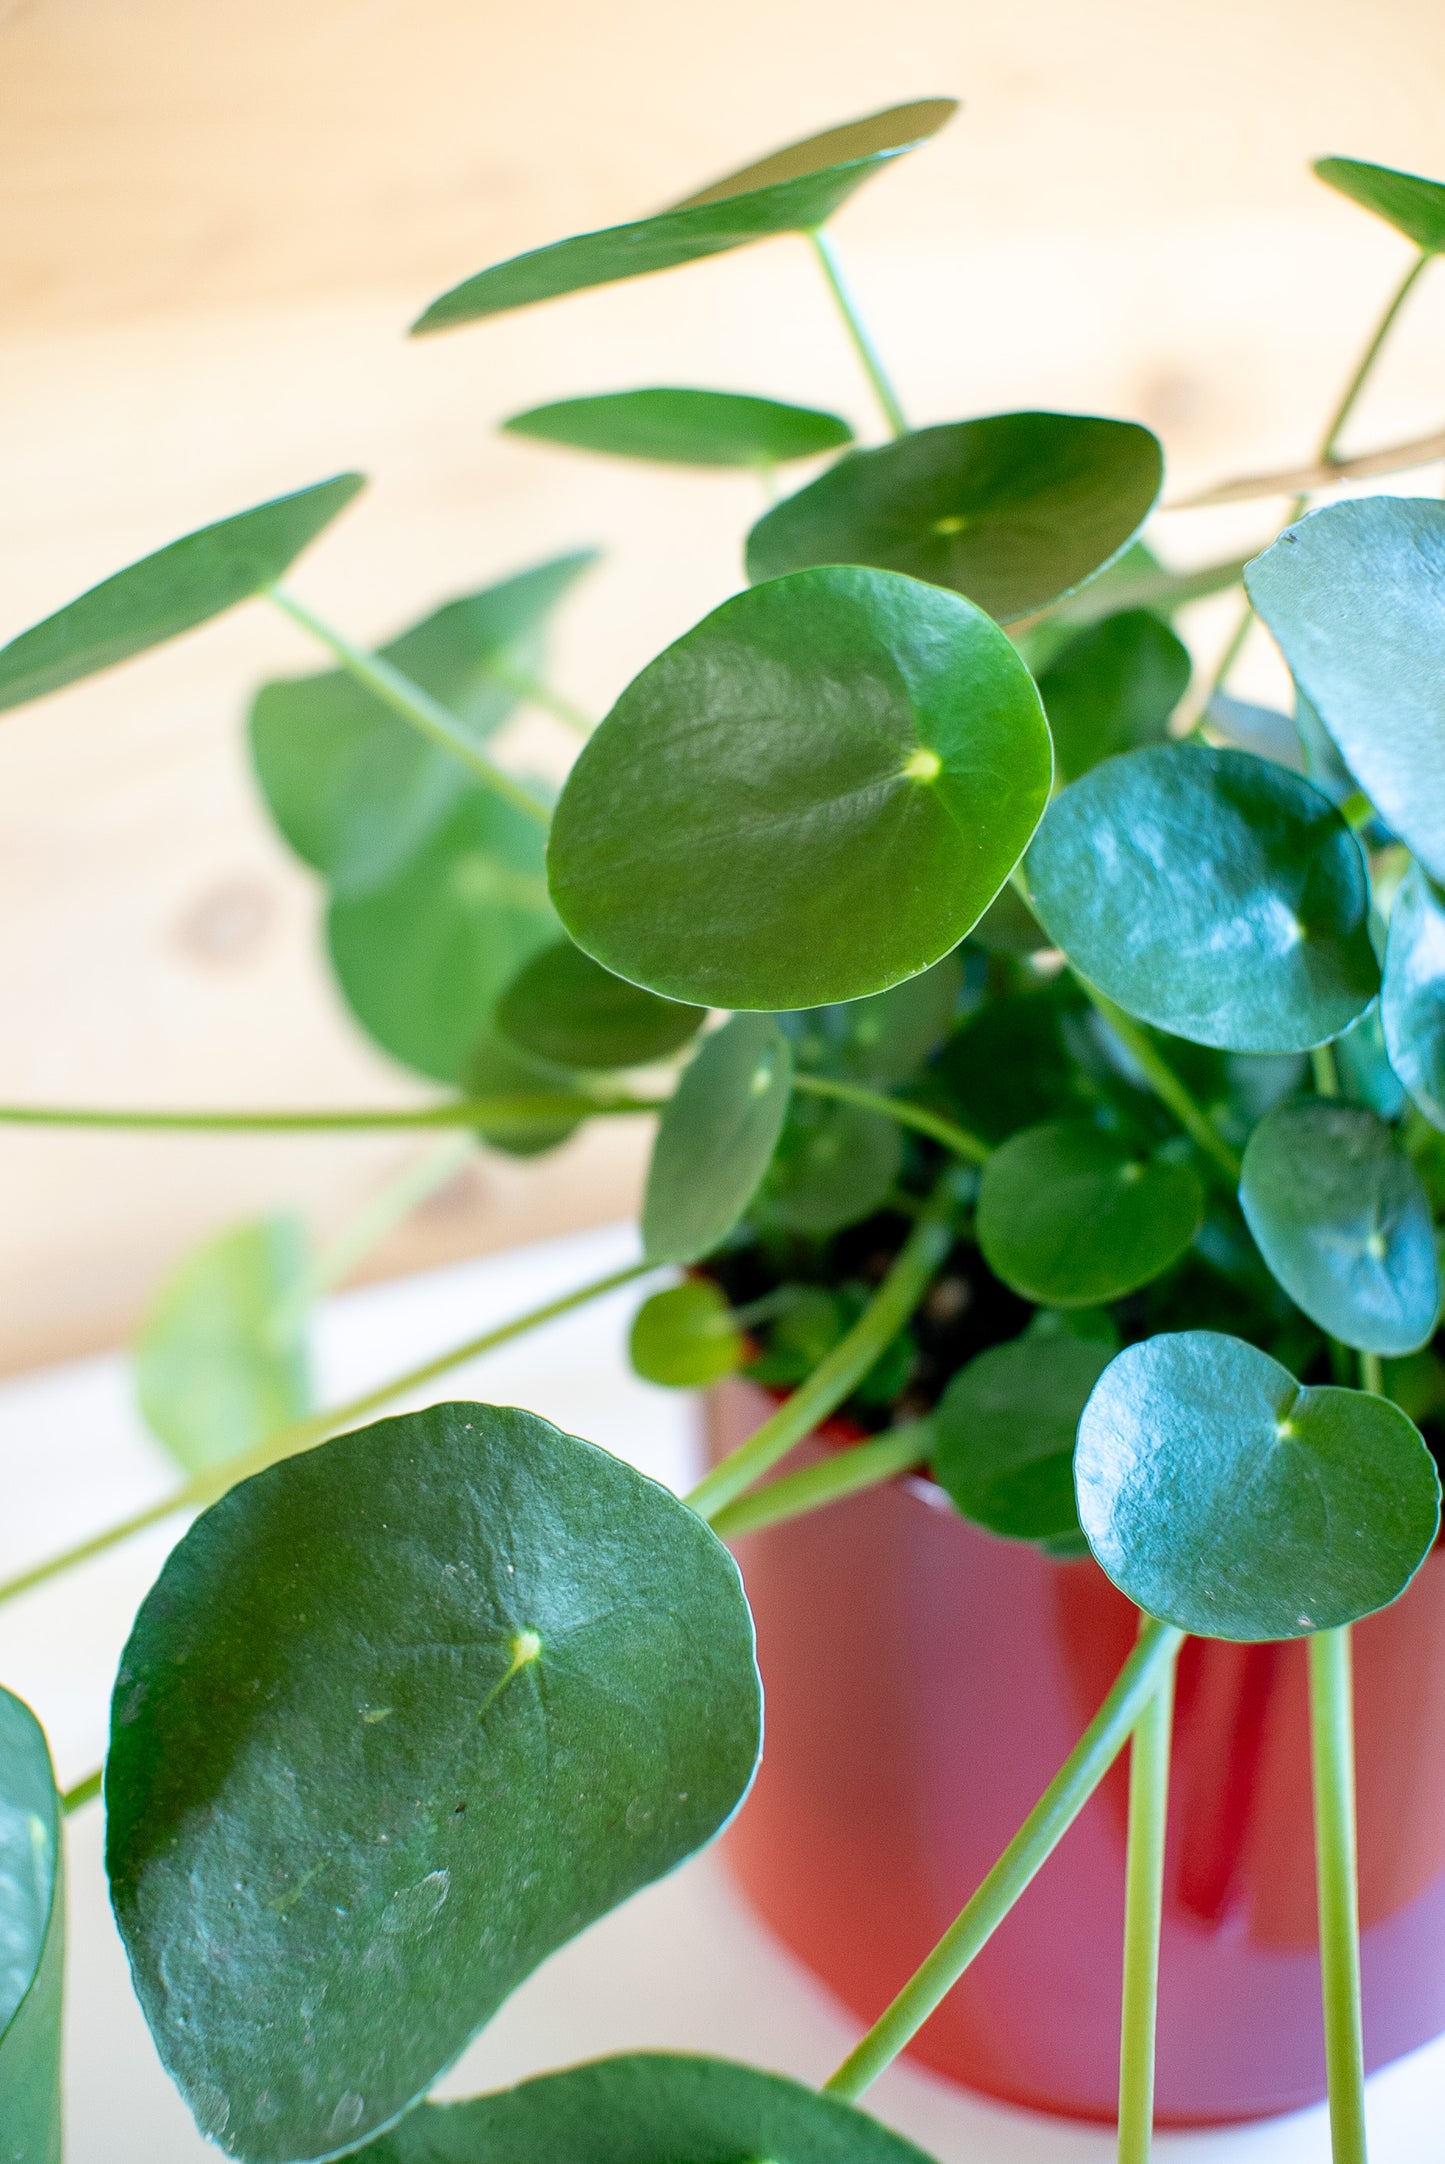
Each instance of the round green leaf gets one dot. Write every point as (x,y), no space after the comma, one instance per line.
(222,1361)
(496,1068)
(791,191)
(834,1165)
(1353,595)
(423,959)
(1338,1212)
(1112,689)
(172,591)
(884,1039)
(32,1940)
(355,791)
(564,1007)
(686,428)
(1004,1432)
(1414,206)
(1071,1216)
(400,1717)
(1012,511)
(811,796)
(643,2109)
(1412,999)
(716,1138)
(1211,893)
(1224,1497)
(685,1338)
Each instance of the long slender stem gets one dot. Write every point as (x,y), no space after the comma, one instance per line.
(948,1132)
(82,1792)
(1040,1834)
(845,1472)
(1325,1070)
(415,706)
(305,1434)
(452,1112)
(1372,1373)
(863,345)
(1143,1915)
(1332,1743)
(1350,396)
(846,1365)
(1165,1083)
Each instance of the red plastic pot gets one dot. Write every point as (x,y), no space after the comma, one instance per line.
(924,1682)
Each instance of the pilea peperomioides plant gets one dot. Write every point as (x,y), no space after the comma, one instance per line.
(1062,1134)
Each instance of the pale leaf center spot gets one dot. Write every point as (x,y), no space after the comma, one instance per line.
(922,765)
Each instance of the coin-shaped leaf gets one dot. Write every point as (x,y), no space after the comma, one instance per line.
(834,1165)
(172,591)
(1112,689)
(791,191)
(401,1716)
(811,796)
(1353,594)
(686,428)
(686,1338)
(1338,1212)
(1004,1432)
(716,1139)
(642,2109)
(1413,205)
(222,1360)
(1071,1216)
(32,1941)
(564,1007)
(882,1040)
(1412,999)
(497,1068)
(355,791)
(1212,893)
(1012,511)
(1224,1497)
(424,958)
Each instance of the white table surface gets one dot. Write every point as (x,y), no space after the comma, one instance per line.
(684,1965)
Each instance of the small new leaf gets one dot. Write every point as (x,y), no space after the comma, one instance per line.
(1413,205)
(685,1338)
(686,428)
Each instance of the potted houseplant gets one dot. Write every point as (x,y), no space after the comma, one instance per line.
(1057,1214)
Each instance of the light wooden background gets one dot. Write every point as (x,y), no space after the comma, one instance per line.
(217,221)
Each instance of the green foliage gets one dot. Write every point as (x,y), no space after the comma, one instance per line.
(172,591)
(1112,689)
(567,1009)
(883,1039)
(1414,206)
(355,791)
(834,1165)
(497,1068)
(715,1139)
(222,1359)
(719,838)
(1012,511)
(641,2109)
(32,1940)
(1007,1066)
(686,428)
(1211,893)
(1412,999)
(1004,1429)
(1071,1216)
(791,191)
(403,1714)
(1224,1497)
(686,1338)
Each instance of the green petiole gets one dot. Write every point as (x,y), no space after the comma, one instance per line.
(845,1472)
(863,345)
(933,1124)
(1332,1749)
(452,1112)
(1164,1082)
(1143,1915)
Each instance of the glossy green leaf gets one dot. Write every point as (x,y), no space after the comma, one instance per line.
(811,796)
(1211,893)
(222,1359)
(791,191)
(646,2108)
(32,1941)
(1071,1216)
(1226,1498)
(716,1138)
(1340,1216)
(1352,594)
(1412,999)
(685,1338)
(686,428)
(834,1165)
(1414,206)
(1004,1431)
(401,1716)
(497,1068)
(424,959)
(1112,689)
(355,791)
(564,1007)
(882,1040)
(180,586)
(1013,510)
